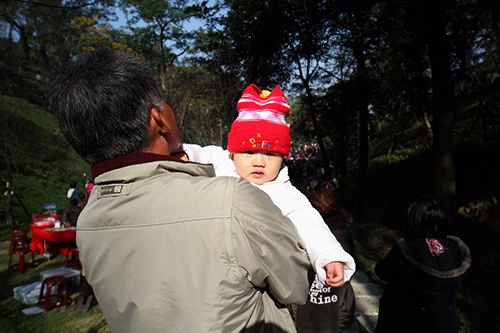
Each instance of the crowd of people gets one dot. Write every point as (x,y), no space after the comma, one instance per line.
(78,199)
(305,165)
(172,245)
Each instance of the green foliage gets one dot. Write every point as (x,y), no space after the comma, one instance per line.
(201,109)
(37,38)
(400,155)
(465,325)
(253,41)
(481,207)
(35,158)
(15,80)
(93,36)
(487,208)
(365,261)
(163,39)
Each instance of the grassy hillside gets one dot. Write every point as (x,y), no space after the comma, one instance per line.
(39,162)
(36,159)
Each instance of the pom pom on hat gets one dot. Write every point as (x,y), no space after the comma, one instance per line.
(261,122)
(265,93)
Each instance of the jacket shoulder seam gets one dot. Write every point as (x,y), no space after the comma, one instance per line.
(203,218)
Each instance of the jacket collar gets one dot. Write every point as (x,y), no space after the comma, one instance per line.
(131,159)
(464,251)
(133,168)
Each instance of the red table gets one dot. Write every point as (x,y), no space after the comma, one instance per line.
(39,221)
(53,240)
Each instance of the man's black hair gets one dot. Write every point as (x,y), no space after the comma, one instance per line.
(103,102)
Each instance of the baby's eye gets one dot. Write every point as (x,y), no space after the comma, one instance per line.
(248,152)
(271,154)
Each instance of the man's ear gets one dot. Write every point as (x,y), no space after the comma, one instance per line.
(158,124)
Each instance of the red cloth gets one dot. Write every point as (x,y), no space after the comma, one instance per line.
(55,240)
(89,188)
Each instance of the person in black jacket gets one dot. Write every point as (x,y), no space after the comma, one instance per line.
(73,212)
(424,271)
(329,309)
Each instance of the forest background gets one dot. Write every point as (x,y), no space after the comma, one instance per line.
(401,98)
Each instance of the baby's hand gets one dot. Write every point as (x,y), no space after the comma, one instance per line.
(181,154)
(334,273)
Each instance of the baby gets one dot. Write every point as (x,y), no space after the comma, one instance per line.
(257,143)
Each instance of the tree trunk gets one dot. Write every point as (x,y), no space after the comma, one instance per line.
(428,125)
(442,92)
(342,165)
(342,146)
(319,134)
(356,24)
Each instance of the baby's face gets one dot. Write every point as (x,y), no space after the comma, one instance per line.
(256,166)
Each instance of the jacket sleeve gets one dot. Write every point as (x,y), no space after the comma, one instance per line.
(389,267)
(321,244)
(215,155)
(199,154)
(267,246)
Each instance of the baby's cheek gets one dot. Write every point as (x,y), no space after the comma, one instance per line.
(274,176)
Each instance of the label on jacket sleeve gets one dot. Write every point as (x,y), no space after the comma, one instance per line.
(113,190)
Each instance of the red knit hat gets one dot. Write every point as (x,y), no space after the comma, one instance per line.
(261,122)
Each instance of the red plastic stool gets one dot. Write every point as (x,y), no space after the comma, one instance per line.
(19,245)
(75,258)
(61,298)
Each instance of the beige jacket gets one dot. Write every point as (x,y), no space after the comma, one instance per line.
(167,247)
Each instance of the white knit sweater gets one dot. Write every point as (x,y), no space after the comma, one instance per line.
(321,245)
